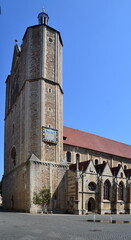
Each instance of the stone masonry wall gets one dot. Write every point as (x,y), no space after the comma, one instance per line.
(36,106)
(52,176)
(16,190)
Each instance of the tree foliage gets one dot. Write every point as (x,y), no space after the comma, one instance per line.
(42,198)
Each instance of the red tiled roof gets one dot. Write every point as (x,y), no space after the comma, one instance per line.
(86,140)
(82,166)
(100,168)
(115,170)
(128,172)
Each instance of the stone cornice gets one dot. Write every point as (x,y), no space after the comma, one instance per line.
(53,164)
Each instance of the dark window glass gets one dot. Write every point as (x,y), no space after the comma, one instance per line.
(125,167)
(68,157)
(13,155)
(120,191)
(77,157)
(107,190)
(96,161)
(121,175)
(92,186)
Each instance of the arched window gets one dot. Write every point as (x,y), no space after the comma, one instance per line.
(96,161)
(121,175)
(13,155)
(68,157)
(107,187)
(77,158)
(120,191)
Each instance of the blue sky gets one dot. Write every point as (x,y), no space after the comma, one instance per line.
(96,61)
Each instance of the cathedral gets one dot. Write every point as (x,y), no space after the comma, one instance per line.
(85,173)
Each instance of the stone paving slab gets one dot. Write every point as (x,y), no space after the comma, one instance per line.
(22,226)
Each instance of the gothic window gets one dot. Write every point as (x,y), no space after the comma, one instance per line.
(96,161)
(13,155)
(68,157)
(77,157)
(120,191)
(107,187)
(92,186)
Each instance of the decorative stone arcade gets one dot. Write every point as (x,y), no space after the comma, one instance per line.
(99,192)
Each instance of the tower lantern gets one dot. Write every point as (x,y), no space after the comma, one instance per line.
(43,18)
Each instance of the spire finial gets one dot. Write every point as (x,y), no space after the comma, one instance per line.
(43,9)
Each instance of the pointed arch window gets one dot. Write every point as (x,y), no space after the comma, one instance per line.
(107,187)
(121,175)
(121,191)
(68,156)
(96,161)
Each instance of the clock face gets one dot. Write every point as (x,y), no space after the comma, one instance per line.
(49,135)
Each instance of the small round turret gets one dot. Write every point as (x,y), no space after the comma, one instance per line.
(43,18)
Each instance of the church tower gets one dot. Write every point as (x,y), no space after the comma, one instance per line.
(33,120)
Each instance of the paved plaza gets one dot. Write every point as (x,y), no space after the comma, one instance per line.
(22,226)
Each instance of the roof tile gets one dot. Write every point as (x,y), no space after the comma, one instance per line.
(90,141)
(82,166)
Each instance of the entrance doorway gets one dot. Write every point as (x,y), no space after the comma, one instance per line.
(91,205)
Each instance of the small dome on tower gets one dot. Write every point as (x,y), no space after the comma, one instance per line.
(43,18)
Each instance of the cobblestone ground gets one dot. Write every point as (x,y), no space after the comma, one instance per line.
(23,226)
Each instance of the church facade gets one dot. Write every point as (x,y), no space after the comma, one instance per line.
(85,173)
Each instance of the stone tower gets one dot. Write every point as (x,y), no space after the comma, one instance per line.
(33,120)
